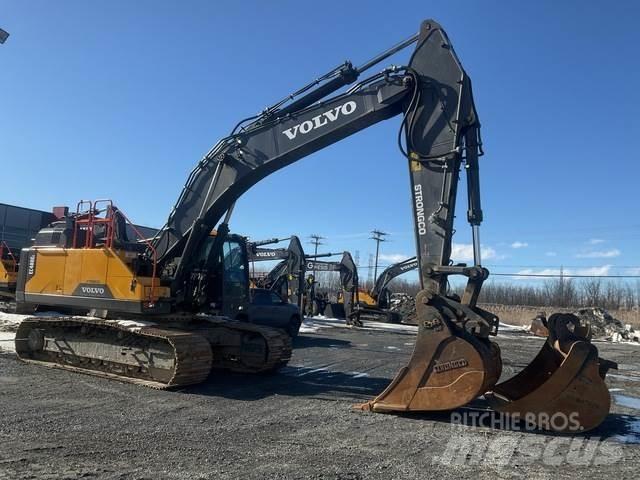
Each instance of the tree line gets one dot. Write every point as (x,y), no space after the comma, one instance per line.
(560,292)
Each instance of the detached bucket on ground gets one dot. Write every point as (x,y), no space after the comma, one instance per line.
(563,388)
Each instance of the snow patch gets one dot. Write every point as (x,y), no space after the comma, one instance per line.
(507,327)
(312,371)
(7,343)
(313,324)
(623,377)
(132,325)
(629,402)
(9,321)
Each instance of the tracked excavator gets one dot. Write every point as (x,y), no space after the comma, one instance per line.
(287,278)
(168,290)
(379,293)
(347,306)
(375,304)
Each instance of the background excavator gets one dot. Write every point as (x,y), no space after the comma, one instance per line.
(171,292)
(287,278)
(347,303)
(375,303)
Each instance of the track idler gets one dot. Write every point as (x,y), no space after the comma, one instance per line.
(563,388)
(450,366)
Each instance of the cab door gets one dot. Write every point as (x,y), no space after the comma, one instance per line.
(235,286)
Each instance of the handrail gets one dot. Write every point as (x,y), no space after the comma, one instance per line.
(109,220)
(78,221)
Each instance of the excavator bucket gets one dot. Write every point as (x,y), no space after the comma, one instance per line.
(447,370)
(563,388)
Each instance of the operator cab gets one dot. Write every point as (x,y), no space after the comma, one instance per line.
(227,272)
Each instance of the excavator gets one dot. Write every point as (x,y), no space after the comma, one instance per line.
(287,278)
(379,295)
(166,298)
(375,304)
(347,305)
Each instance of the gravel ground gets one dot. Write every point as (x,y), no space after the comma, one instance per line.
(296,424)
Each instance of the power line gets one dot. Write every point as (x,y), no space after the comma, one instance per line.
(558,266)
(534,275)
(550,275)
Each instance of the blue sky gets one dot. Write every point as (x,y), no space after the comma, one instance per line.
(120,99)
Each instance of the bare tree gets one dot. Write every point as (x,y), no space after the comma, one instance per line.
(592,291)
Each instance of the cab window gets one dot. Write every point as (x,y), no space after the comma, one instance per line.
(275,298)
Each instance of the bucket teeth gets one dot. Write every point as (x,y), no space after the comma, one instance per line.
(563,388)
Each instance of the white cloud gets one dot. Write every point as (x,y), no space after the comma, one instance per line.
(519,245)
(614,252)
(551,254)
(595,241)
(545,271)
(463,252)
(603,270)
(394,257)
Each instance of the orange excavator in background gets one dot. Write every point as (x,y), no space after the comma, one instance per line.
(165,302)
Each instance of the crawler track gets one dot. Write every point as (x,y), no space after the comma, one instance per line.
(152,355)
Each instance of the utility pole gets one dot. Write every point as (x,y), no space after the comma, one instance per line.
(370,281)
(315,240)
(562,286)
(378,236)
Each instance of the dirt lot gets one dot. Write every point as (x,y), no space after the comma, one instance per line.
(297,424)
